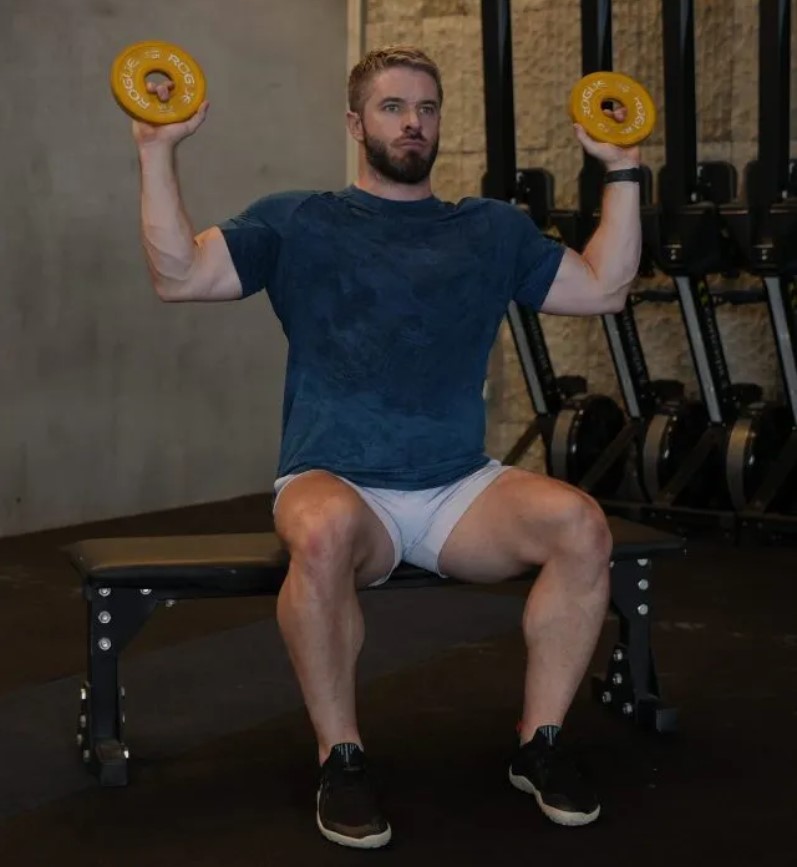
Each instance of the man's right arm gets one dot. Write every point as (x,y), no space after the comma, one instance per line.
(183,266)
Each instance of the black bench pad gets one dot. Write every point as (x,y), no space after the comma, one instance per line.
(257,562)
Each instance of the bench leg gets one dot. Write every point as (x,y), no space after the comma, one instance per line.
(630,687)
(114,617)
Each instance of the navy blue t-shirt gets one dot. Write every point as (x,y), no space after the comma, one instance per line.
(390,310)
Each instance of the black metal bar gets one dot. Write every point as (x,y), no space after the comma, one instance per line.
(499,103)
(766,228)
(768,527)
(608,458)
(115,616)
(596,56)
(772,188)
(596,35)
(524,442)
(631,599)
(629,361)
(679,97)
(781,295)
(773,102)
(630,687)
(535,361)
(707,447)
(705,344)
(690,228)
(103,689)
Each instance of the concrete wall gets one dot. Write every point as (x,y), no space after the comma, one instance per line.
(112,403)
(547,61)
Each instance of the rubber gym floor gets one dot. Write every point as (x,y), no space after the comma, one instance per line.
(223,769)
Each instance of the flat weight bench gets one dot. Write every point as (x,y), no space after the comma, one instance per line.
(124,580)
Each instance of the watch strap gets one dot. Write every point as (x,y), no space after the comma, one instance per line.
(623,175)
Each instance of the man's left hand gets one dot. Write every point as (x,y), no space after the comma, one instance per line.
(612,156)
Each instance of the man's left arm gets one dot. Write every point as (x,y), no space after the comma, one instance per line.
(597,280)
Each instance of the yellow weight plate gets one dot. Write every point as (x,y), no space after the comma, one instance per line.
(594,89)
(129,82)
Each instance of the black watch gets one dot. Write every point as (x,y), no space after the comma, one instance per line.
(623,175)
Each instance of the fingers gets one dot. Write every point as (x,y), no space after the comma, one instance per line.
(199,118)
(616,111)
(606,153)
(582,136)
(169,134)
(589,144)
(163,90)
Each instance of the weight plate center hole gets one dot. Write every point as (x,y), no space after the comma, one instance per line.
(160,83)
(615,109)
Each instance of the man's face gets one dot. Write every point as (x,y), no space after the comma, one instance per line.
(400,124)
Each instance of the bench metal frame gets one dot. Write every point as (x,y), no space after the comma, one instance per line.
(122,593)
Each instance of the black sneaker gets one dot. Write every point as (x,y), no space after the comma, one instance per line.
(347,810)
(540,768)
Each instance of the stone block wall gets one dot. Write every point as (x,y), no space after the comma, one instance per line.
(547,61)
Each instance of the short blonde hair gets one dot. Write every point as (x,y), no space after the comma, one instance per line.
(386,58)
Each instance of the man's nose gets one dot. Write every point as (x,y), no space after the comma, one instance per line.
(411,119)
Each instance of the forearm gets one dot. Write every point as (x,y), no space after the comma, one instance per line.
(167,234)
(614,250)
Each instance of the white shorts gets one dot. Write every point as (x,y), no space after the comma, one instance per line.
(418,522)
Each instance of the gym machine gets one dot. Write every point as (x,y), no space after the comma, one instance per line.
(578,429)
(663,426)
(761,452)
(685,450)
(587,438)
(687,240)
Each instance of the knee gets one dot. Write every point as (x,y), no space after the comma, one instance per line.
(584,530)
(321,535)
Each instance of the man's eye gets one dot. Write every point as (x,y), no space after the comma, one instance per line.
(391,106)
(429,109)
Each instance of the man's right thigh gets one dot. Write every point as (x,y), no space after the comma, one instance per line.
(320,500)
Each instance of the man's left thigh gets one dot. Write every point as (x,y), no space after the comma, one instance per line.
(513,524)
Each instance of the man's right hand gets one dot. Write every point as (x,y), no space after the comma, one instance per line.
(170,134)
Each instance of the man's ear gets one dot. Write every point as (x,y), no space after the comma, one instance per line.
(355,125)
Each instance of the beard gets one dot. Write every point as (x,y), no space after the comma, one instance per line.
(413,167)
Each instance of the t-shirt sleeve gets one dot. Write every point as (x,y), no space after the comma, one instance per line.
(537,258)
(254,238)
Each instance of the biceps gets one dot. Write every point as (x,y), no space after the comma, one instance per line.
(217,278)
(575,290)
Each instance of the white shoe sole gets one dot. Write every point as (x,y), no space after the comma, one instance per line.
(374,841)
(561,817)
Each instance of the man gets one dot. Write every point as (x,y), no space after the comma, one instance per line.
(391,300)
